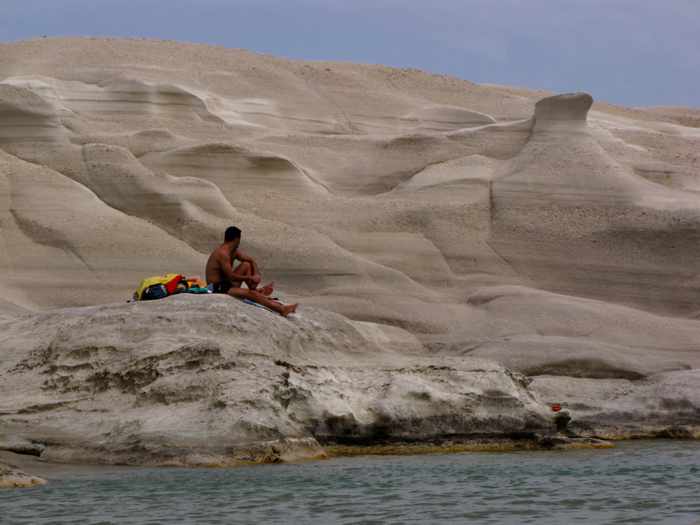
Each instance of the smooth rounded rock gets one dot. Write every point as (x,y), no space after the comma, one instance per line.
(565,107)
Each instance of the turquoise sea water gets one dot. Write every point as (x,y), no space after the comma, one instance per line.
(637,482)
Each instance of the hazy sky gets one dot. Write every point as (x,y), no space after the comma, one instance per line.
(632,52)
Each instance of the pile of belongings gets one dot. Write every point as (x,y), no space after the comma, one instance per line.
(161,286)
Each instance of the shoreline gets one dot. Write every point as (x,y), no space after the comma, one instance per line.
(36,471)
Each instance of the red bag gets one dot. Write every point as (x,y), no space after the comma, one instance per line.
(172,284)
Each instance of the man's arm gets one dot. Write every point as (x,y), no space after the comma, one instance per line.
(247,258)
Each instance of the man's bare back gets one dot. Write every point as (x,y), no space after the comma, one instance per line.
(217,260)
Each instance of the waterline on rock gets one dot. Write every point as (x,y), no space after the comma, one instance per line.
(635,482)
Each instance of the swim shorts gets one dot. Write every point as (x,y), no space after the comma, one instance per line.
(222,287)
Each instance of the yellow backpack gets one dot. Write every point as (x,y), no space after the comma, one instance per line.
(159,286)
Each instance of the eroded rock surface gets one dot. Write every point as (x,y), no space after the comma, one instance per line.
(13,478)
(569,107)
(208,380)
(485,250)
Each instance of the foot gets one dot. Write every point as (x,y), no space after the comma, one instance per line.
(288,309)
(267,289)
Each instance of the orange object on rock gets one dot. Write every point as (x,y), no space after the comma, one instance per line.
(196,282)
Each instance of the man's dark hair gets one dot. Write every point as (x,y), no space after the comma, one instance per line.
(232,233)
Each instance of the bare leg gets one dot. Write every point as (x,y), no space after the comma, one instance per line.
(244,274)
(282,309)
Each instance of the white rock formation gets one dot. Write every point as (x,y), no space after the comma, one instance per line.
(199,380)
(458,231)
(13,478)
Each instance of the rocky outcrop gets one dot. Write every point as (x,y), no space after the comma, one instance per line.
(666,405)
(486,252)
(208,380)
(568,107)
(26,116)
(13,478)
(575,219)
(211,381)
(336,173)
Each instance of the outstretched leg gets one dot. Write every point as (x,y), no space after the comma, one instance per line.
(282,309)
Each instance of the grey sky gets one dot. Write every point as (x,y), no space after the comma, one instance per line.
(632,52)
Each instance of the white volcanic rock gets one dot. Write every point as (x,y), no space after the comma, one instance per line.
(569,108)
(457,228)
(569,216)
(497,185)
(664,405)
(26,116)
(448,118)
(208,380)
(193,380)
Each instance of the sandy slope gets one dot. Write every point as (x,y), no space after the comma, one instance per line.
(554,236)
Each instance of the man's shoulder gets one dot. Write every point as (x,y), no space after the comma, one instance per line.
(216,254)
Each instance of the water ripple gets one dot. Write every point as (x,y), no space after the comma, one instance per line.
(643,482)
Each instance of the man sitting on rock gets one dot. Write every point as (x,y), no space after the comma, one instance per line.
(224,277)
